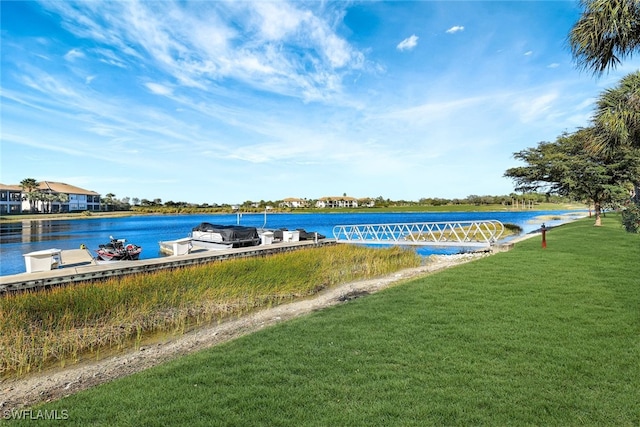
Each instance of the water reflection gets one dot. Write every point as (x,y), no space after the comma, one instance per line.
(34,231)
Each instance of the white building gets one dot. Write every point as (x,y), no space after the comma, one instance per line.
(53,197)
(337,202)
(10,199)
(292,202)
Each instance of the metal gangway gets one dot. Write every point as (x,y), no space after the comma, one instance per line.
(475,234)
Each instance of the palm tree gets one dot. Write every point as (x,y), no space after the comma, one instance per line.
(48,199)
(607,31)
(62,198)
(617,120)
(617,116)
(29,186)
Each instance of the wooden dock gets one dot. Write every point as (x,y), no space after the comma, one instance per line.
(77,265)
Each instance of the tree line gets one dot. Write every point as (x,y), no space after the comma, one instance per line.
(110,202)
(513,200)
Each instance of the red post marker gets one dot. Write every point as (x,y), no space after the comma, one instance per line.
(544,236)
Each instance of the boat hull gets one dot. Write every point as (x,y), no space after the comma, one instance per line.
(119,250)
(128,255)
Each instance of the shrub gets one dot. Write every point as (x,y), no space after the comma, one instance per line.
(631,217)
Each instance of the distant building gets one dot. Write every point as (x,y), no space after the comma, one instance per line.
(366,202)
(50,197)
(10,199)
(292,202)
(337,202)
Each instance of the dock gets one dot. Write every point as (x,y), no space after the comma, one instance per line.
(77,265)
(463,234)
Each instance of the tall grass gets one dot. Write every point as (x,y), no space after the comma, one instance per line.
(61,325)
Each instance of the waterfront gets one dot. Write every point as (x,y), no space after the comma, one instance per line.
(18,238)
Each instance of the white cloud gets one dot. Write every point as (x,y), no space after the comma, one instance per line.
(531,109)
(528,53)
(432,111)
(107,56)
(277,20)
(408,43)
(286,48)
(455,29)
(158,89)
(73,54)
(554,65)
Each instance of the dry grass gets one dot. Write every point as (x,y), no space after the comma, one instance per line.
(61,325)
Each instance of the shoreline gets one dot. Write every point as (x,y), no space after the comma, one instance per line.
(6,219)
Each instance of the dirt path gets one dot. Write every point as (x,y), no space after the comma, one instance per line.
(55,384)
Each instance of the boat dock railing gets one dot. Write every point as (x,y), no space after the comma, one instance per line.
(454,233)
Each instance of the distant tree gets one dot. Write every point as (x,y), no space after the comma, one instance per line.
(567,168)
(108,201)
(29,187)
(62,198)
(474,199)
(39,199)
(607,31)
(135,201)
(48,199)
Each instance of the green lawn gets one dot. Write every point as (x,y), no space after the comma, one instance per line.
(529,337)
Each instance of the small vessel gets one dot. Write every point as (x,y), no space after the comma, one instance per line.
(213,236)
(118,250)
(299,234)
(207,236)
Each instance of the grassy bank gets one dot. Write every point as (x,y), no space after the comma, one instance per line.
(528,337)
(66,215)
(62,325)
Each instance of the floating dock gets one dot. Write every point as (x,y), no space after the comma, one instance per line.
(463,234)
(77,265)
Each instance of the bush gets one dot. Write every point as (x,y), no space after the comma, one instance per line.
(631,217)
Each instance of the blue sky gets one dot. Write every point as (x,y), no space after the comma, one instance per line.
(224,102)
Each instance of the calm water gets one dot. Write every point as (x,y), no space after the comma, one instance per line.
(23,237)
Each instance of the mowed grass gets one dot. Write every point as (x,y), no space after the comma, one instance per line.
(529,337)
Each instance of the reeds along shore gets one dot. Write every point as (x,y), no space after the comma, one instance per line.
(62,325)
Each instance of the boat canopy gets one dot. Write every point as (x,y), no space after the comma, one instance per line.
(229,233)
